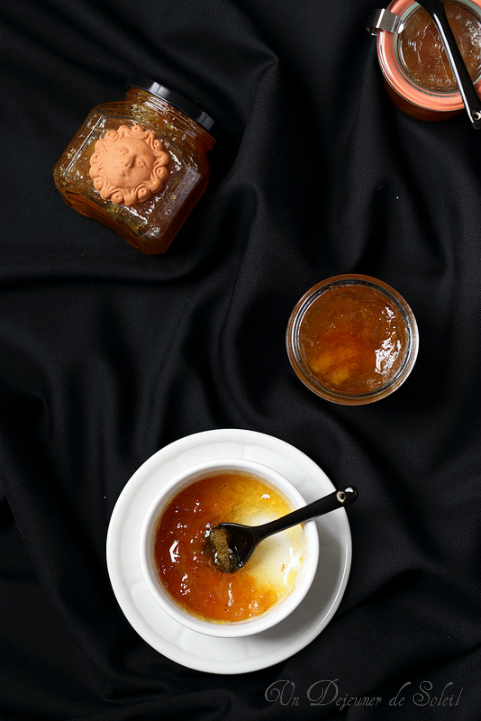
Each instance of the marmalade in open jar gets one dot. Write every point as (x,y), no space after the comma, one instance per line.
(416,70)
(421,51)
(352,339)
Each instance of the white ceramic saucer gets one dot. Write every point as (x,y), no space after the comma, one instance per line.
(226,655)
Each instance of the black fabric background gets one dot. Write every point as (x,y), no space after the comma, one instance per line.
(108,355)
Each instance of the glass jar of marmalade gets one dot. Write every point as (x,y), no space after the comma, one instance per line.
(139,166)
(352,339)
(416,70)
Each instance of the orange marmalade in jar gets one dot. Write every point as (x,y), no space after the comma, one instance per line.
(416,70)
(352,339)
(421,52)
(140,165)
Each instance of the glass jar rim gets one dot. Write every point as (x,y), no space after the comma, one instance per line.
(442,101)
(312,383)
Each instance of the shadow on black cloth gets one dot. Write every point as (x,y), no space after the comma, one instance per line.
(108,355)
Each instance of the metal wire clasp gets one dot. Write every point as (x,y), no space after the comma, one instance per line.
(384,20)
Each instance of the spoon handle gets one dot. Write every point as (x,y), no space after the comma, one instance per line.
(338,499)
(463,79)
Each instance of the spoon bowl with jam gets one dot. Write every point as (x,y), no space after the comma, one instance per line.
(231,545)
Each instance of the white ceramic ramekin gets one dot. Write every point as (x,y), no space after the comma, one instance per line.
(284,606)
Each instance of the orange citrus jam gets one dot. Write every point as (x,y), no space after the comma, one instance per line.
(111,169)
(421,51)
(353,339)
(185,566)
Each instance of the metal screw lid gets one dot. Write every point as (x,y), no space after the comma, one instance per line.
(189,108)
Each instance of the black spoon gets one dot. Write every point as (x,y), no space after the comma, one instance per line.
(436,10)
(232,544)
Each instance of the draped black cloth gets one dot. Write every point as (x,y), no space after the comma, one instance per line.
(108,355)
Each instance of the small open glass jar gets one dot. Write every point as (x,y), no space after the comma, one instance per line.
(413,61)
(140,165)
(352,339)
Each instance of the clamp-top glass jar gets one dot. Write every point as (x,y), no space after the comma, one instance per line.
(140,165)
(416,70)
